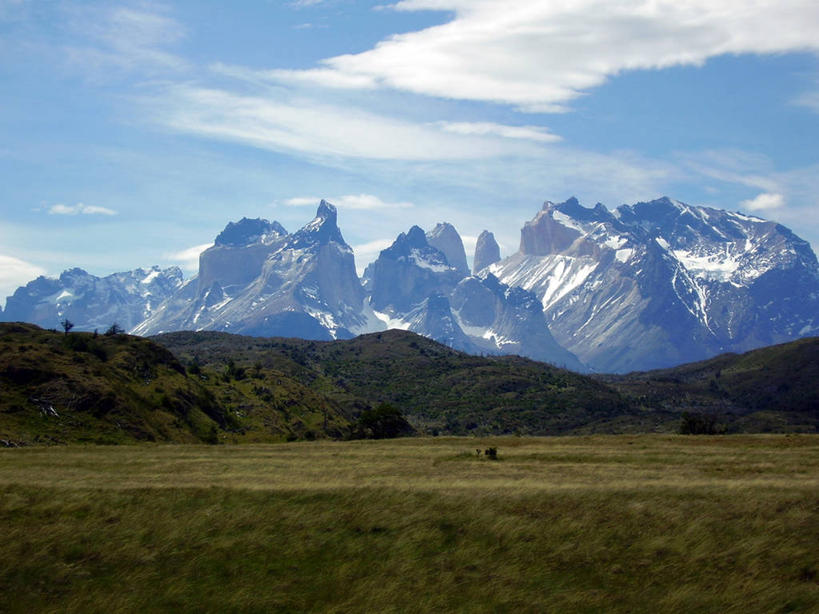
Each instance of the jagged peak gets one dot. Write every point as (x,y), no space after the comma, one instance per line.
(327,211)
(441,228)
(248,231)
(416,237)
(487,251)
(321,230)
(445,238)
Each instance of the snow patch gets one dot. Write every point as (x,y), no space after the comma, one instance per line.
(391,322)
(151,276)
(567,221)
(419,260)
(623,255)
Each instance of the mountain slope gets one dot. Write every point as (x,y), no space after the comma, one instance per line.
(772,388)
(259,280)
(662,283)
(439,389)
(57,388)
(413,286)
(92,302)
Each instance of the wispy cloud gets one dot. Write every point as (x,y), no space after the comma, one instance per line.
(540,55)
(15,273)
(365,253)
(763,202)
(300,4)
(531,133)
(80,209)
(188,258)
(365,202)
(124,39)
(280,121)
(809,100)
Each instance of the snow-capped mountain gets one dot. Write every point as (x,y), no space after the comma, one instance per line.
(644,286)
(660,283)
(487,251)
(413,286)
(446,239)
(259,280)
(92,302)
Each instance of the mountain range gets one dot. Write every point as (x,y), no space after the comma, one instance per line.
(648,285)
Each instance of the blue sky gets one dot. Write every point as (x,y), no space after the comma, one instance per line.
(132,132)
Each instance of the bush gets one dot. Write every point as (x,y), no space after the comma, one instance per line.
(383,422)
(114,329)
(698,424)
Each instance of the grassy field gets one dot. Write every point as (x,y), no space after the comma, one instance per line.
(570,524)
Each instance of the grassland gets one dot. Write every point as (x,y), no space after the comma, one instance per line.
(570,524)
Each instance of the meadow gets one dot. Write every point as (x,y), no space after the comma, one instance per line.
(644,523)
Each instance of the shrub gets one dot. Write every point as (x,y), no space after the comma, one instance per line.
(383,422)
(698,424)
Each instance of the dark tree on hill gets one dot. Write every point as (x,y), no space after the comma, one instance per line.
(67,325)
(383,422)
(698,424)
(114,329)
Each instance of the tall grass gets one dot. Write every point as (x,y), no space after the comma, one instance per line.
(616,524)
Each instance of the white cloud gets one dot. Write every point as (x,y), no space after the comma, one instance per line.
(809,100)
(280,122)
(15,273)
(188,258)
(539,55)
(365,253)
(123,38)
(348,201)
(80,209)
(469,242)
(531,133)
(763,201)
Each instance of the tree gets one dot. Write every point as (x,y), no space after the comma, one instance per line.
(67,325)
(114,329)
(383,422)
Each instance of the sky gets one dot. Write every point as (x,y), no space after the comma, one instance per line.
(131,133)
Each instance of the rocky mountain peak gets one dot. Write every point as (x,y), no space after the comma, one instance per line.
(487,251)
(446,239)
(321,230)
(415,237)
(248,231)
(327,211)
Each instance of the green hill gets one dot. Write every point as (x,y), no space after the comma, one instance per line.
(79,387)
(439,389)
(217,387)
(774,388)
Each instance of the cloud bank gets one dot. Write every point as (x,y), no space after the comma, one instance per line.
(539,55)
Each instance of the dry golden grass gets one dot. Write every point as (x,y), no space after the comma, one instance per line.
(574,524)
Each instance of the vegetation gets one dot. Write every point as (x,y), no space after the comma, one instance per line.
(383,422)
(772,389)
(117,388)
(580,524)
(220,388)
(439,390)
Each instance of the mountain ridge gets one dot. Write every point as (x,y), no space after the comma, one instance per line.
(652,284)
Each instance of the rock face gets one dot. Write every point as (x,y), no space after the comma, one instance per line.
(413,286)
(648,285)
(661,283)
(259,280)
(238,253)
(446,239)
(92,302)
(487,252)
(408,272)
